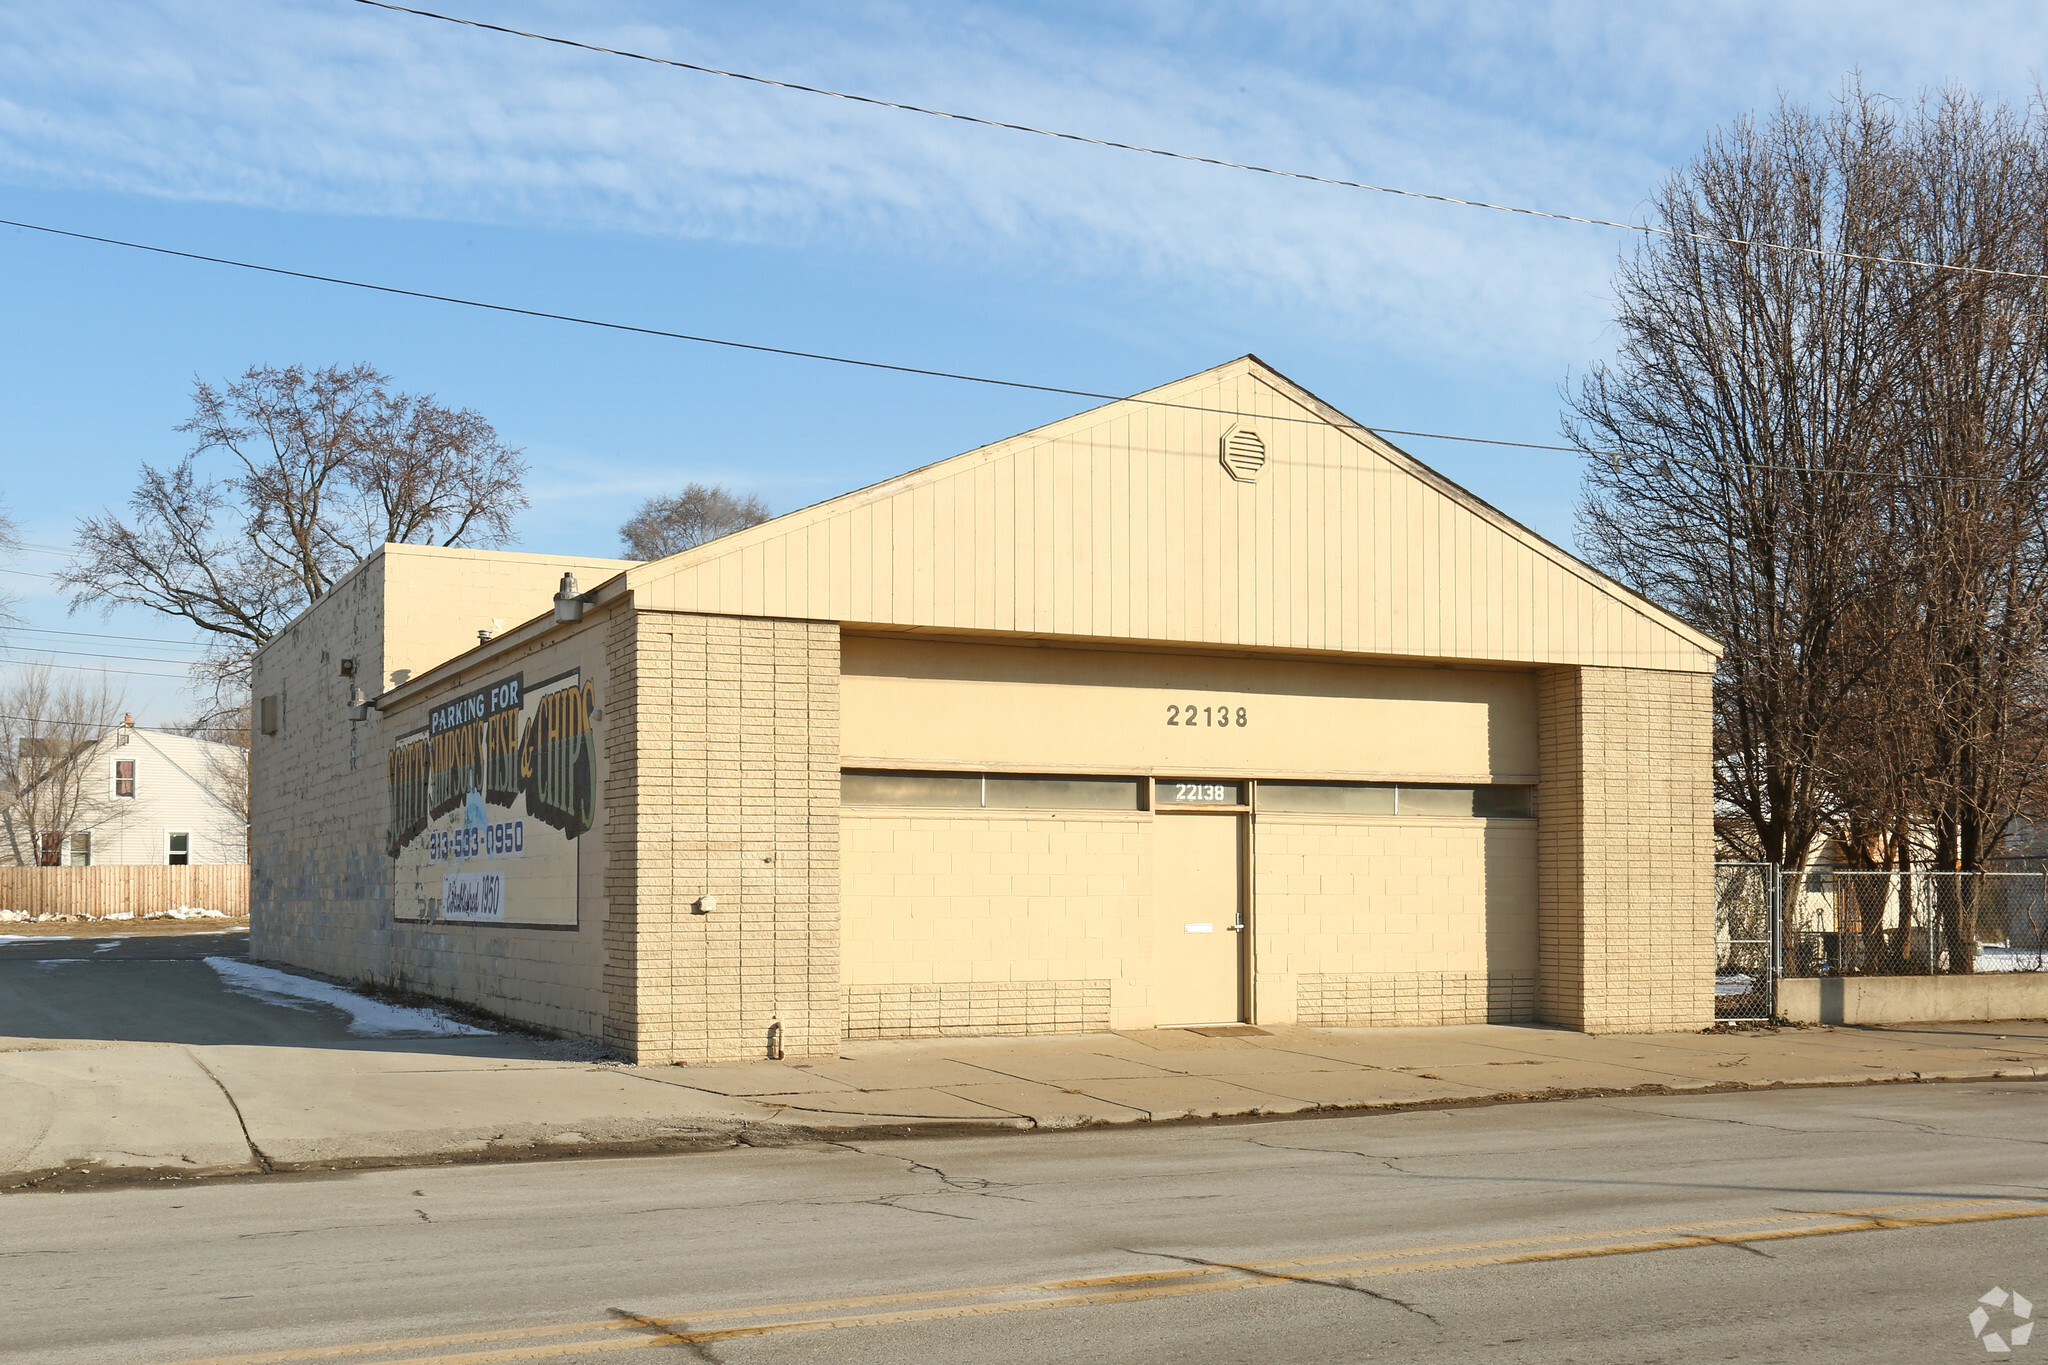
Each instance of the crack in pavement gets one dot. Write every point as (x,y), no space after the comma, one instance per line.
(1293,1279)
(974,1185)
(888,1201)
(971,1184)
(1931,1131)
(666,1334)
(263,1161)
(1739,1123)
(1385,1161)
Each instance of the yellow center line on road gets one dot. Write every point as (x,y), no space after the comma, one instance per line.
(1199,1277)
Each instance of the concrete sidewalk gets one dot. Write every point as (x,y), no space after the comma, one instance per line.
(132,1104)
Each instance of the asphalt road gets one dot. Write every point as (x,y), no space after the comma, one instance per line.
(1724,1227)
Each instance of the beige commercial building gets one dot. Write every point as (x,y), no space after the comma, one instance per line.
(1202,707)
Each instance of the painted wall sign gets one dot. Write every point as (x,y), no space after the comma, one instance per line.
(488,801)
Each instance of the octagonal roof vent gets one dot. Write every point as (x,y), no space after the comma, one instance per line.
(1244,454)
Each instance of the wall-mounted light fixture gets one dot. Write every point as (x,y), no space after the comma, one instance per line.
(360,704)
(569,603)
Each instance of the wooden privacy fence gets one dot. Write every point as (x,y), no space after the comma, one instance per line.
(109,890)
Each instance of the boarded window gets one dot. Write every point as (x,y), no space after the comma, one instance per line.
(1001,791)
(1454,801)
(51,853)
(1065,793)
(124,777)
(1327,798)
(909,789)
(1381,798)
(1504,803)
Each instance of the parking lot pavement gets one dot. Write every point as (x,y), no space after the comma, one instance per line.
(138,988)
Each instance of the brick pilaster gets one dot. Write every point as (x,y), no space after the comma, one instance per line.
(731,791)
(1625,916)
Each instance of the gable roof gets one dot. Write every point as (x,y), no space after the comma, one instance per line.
(1122,522)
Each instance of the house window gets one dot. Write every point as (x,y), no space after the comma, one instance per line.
(78,850)
(177,848)
(51,854)
(124,777)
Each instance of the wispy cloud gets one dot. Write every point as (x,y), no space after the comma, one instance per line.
(338,108)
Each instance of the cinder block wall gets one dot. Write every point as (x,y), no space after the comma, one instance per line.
(1364,921)
(1625,921)
(320,881)
(976,922)
(722,781)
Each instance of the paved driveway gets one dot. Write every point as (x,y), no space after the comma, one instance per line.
(154,989)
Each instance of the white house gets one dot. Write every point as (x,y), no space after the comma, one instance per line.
(151,798)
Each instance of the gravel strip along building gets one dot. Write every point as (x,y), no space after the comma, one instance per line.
(1206,707)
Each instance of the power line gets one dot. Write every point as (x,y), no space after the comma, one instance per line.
(103,635)
(87,668)
(760,349)
(38,648)
(110,728)
(1675,233)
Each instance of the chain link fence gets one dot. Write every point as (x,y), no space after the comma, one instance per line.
(1745,940)
(1770,924)
(1919,923)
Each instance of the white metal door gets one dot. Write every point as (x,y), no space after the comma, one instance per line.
(1198,900)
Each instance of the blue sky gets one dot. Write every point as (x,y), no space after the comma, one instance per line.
(329,136)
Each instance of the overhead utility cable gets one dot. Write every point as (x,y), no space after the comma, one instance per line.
(39,647)
(1611,455)
(103,635)
(110,727)
(1110,143)
(88,668)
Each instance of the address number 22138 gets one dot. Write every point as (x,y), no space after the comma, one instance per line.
(1214,717)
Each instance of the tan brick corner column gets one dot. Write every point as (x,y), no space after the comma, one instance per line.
(1625,850)
(722,838)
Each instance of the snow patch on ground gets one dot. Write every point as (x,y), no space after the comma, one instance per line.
(1996,957)
(367,1018)
(34,938)
(175,912)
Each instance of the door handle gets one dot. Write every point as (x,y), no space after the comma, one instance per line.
(1238,927)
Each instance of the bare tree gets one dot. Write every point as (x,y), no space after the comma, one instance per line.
(52,792)
(1970,519)
(1731,443)
(10,541)
(227,756)
(1839,466)
(321,467)
(667,526)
